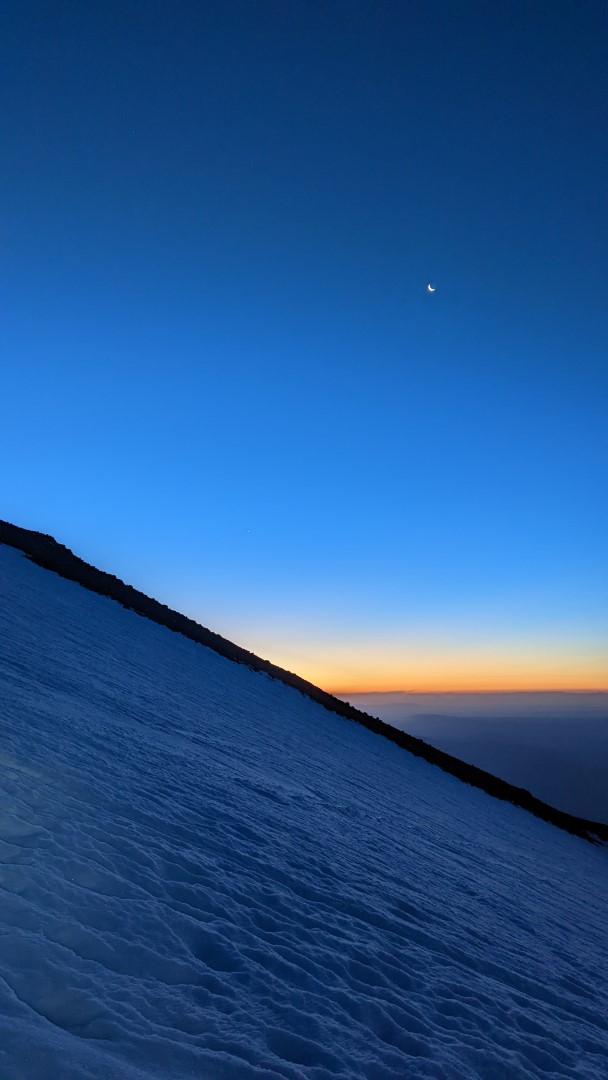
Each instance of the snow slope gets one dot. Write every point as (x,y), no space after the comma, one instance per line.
(554,744)
(203,873)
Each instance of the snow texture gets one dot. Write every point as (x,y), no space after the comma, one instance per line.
(553,744)
(205,874)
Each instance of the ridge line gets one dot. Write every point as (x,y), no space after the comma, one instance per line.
(49,554)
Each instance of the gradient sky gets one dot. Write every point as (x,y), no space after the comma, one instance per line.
(222,377)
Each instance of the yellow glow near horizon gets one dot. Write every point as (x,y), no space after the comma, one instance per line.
(462,682)
(343,670)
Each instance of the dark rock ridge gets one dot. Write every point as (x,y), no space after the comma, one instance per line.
(48,553)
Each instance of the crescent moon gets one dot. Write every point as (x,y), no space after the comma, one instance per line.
(431,288)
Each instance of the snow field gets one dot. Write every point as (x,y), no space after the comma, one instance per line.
(205,874)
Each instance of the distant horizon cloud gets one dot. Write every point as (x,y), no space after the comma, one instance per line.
(483,693)
(493,702)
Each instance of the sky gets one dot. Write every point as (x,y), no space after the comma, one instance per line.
(222,377)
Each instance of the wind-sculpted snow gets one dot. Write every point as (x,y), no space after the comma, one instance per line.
(205,874)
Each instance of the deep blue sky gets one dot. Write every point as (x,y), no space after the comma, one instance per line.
(222,377)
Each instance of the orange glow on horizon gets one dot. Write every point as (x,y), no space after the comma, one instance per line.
(465,688)
(352,673)
(462,686)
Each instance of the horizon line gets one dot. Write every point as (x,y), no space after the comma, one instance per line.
(501,690)
(50,555)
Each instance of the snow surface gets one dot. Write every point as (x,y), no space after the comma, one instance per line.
(205,874)
(553,744)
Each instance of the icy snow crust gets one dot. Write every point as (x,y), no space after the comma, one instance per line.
(205,874)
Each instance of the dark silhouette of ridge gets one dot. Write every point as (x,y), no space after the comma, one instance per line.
(48,553)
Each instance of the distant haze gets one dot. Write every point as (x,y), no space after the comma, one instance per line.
(554,744)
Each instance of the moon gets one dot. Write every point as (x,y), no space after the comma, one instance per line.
(431,288)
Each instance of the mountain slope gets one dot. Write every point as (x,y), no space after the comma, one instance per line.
(204,873)
(46,552)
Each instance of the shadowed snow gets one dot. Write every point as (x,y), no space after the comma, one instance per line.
(554,744)
(203,873)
